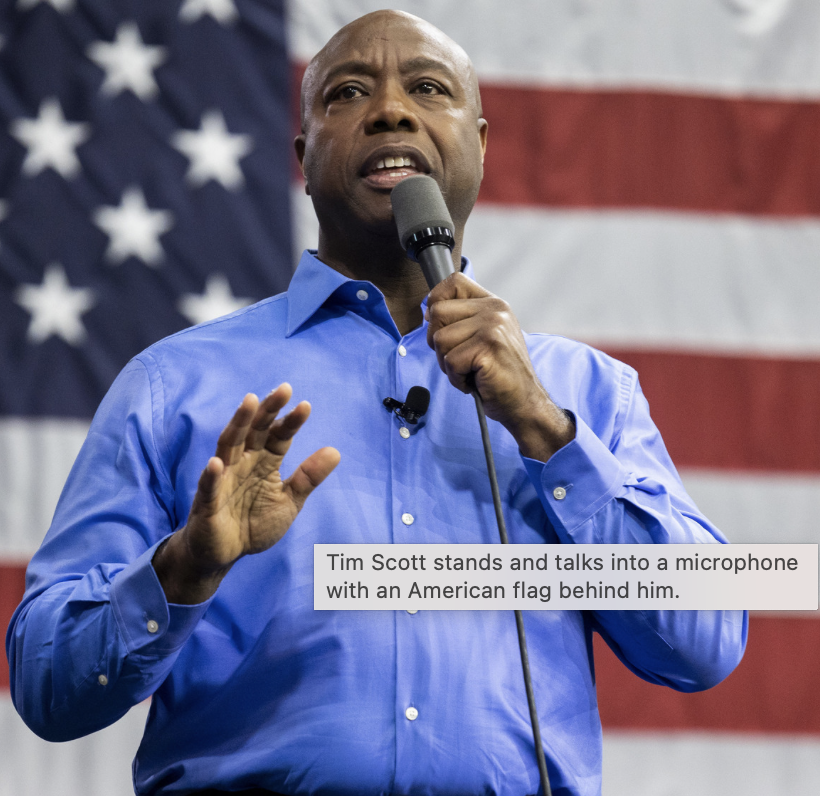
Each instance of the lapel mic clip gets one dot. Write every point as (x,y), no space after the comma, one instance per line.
(414,406)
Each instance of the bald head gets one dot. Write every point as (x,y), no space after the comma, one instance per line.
(352,41)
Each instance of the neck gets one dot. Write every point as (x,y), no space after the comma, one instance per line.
(388,268)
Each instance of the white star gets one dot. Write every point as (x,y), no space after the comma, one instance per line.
(213,152)
(133,228)
(128,62)
(50,140)
(60,5)
(217,300)
(223,11)
(55,307)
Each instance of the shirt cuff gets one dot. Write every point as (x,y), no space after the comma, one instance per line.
(576,482)
(148,622)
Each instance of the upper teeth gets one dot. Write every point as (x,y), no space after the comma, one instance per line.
(391,163)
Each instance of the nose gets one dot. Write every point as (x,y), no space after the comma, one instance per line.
(391,110)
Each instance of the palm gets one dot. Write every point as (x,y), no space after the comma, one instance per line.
(242,505)
(257,506)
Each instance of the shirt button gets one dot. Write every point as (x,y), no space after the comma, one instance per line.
(152,626)
(412,611)
(402,351)
(411,714)
(559,493)
(404,432)
(407,519)
(102,680)
(362,295)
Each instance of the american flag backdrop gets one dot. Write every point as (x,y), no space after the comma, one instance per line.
(652,187)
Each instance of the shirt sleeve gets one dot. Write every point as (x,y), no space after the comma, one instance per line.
(94,633)
(628,492)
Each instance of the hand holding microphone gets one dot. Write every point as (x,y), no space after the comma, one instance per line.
(476,337)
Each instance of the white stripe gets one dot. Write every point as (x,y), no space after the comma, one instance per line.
(649,764)
(758,508)
(35,458)
(650,280)
(666,280)
(97,765)
(763,47)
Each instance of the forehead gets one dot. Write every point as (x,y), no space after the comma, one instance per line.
(376,42)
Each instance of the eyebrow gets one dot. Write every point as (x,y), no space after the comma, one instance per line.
(420,63)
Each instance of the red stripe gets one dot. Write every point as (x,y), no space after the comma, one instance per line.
(741,413)
(647,149)
(775,689)
(12,586)
(639,149)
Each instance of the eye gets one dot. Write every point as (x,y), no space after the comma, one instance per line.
(347,92)
(428,87)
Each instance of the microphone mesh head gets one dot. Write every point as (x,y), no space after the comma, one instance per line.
(418,204)
(418,398)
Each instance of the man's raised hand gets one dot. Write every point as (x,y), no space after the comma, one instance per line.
(242,505)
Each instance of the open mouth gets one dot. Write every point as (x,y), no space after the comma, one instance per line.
(389,170)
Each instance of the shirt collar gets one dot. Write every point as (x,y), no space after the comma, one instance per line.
(314,283)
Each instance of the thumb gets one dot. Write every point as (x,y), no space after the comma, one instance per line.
(311,472)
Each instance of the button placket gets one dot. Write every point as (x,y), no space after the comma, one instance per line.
(407,513)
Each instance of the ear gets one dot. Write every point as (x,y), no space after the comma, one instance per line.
(299,146)
(482,137)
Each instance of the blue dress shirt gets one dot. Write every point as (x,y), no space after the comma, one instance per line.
(254,687)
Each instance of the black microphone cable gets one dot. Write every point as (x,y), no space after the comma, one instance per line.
(426,234)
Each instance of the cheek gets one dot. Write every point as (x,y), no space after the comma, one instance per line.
(325,160)
(312,164)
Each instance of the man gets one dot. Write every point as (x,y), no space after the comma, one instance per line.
(195,587)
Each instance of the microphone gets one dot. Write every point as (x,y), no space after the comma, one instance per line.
(425,227)
(414,406)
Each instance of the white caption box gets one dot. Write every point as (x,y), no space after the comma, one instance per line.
(760,577)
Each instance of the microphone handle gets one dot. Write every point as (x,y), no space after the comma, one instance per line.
(436,263)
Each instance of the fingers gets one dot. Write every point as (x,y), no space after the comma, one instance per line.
(207,492)
(282,431)
(460,364)
(484,313)
(456,286)
(250,426)
(231,443)
(311,472)
(265,416)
